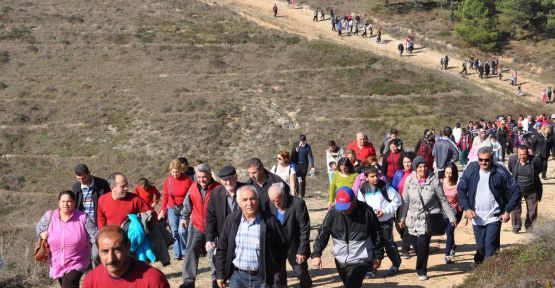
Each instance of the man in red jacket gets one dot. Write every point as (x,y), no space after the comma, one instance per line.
(362,147)
(114,207)
(194,217)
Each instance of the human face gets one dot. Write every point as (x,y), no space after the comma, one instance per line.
(84,179)
(276,197)
(255,174)
(372,179)
(361,139)
(484,160)
(203,178)
(421,170)
(522,155)
(393,136)
(448,173)
(407,163)
(280,159)
(394,148)
(119,191)
(344,169)
(248,203)
(175,173)
(230,183)
(66,204)
(114,255)
(351,158)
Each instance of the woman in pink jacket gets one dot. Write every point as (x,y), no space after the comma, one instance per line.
(70,234)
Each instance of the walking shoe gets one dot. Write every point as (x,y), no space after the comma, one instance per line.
(370,274)
(516,231)
(422,277)
(453,251)
(392,271)
(448,260)
(406,255)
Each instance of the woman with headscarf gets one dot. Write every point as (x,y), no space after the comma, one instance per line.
(423,195)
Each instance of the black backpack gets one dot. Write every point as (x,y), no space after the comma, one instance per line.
(382,186)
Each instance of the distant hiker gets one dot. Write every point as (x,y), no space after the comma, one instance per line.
(357,19)
(333,23)
(446,62)
(549,93)
(332,14)
(350,23)
(513,80)
(464,68)
(275,9)
(371,28)
(301,156)
(365,31)
(379,37)
(401,48)
(322,14)
(544,97)
(519,91)
(442,63)
(487,69)
(338,21)
(493,66)
(481,71)
(356,30)
(315,18)
(515,74)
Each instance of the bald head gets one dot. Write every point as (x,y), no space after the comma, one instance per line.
(276,195)
(113,250)
(361,139)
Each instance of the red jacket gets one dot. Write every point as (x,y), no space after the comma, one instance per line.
(180,186)
(148,194)
(363,152)
(114,212)
(199,206)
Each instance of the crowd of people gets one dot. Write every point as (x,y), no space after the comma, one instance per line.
(250,229)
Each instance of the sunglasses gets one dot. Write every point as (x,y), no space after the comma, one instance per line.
(483,159)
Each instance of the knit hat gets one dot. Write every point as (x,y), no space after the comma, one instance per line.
(343,198)
(417,161)
(226,171)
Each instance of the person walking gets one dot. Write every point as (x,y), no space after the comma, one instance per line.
(262,179)
(302,159)
(338,21)
(401,48)
(464,145)
(423,196)
(526,171)
(385,201)
(286,170)
(379,36)
(446,62)
(193,218)
(70,235)
(176,187)
(252,247)
(87,190)
(292,214)
(356,234)
(345,176)
(487,193)
(444,151)
(450,191)
(147,192)
(315,18)
(362,147)
(275,10)
(541,143)
(399,185)
(464,69)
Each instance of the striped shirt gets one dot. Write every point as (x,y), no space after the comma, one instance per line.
(247,244)
(88,203)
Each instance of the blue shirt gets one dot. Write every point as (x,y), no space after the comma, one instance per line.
(247,244)
(280,216)
(88,203)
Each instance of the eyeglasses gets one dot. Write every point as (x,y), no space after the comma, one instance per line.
(483,159)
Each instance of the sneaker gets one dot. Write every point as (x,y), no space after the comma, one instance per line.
(392,271)
(422,277)
(370,274)
(448,260)
(452,254)
(406,255)
(516,231)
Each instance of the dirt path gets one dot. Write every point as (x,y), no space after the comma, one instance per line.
(299,21)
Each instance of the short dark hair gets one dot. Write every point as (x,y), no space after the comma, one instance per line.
(183,160)
(112,178)
(114,229)
(81,170)
(68,193)
(255,162)
(447,131)
(370,170)
(394,141)
(332,143)
(144,182)
(524,147)
(302,137)
(393,131)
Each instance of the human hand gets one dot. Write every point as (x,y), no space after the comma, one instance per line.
(300,259)
(402,224)
(161,214)
(317,262)
(376,263)
(465,221)
(43,235)
(184,223)
(454,224)
(380,213)
(505,217)
(469,214)
(210,245)
(221,283)
(330,205)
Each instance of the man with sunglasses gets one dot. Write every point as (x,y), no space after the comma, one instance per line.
(487,193)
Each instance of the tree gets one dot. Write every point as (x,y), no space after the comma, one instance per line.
(476,24)
(520,17)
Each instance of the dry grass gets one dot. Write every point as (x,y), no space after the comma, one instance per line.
(127,86)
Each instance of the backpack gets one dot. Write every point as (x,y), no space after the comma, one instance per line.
(382,186)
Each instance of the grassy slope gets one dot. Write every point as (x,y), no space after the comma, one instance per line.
(127,86)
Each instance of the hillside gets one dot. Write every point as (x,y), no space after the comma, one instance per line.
(129,85)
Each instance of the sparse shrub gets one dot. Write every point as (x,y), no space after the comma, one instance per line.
(3,85)
(4,57)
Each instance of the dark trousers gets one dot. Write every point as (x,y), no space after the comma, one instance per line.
(503,148)
(195,242)
(246,280)
(301,270)
(544,167)
(70,279)
(389,242)
(421,245)
(352,275)
(404,233)
(531,213)
(487,240)
(450,233)
(302,170)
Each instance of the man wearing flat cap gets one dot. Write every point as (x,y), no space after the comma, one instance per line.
(222,203)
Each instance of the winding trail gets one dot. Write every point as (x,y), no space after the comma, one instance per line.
(299,21)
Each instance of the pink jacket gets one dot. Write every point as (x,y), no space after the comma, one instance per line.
(70,243)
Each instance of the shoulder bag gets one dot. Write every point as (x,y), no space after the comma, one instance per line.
(42,250)
(176,208)
(435,225)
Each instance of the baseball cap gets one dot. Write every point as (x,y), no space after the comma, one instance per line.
(343,198)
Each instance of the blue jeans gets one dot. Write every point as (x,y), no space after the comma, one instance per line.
(487,240)
(179,234)
(450,233)
(246,280)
